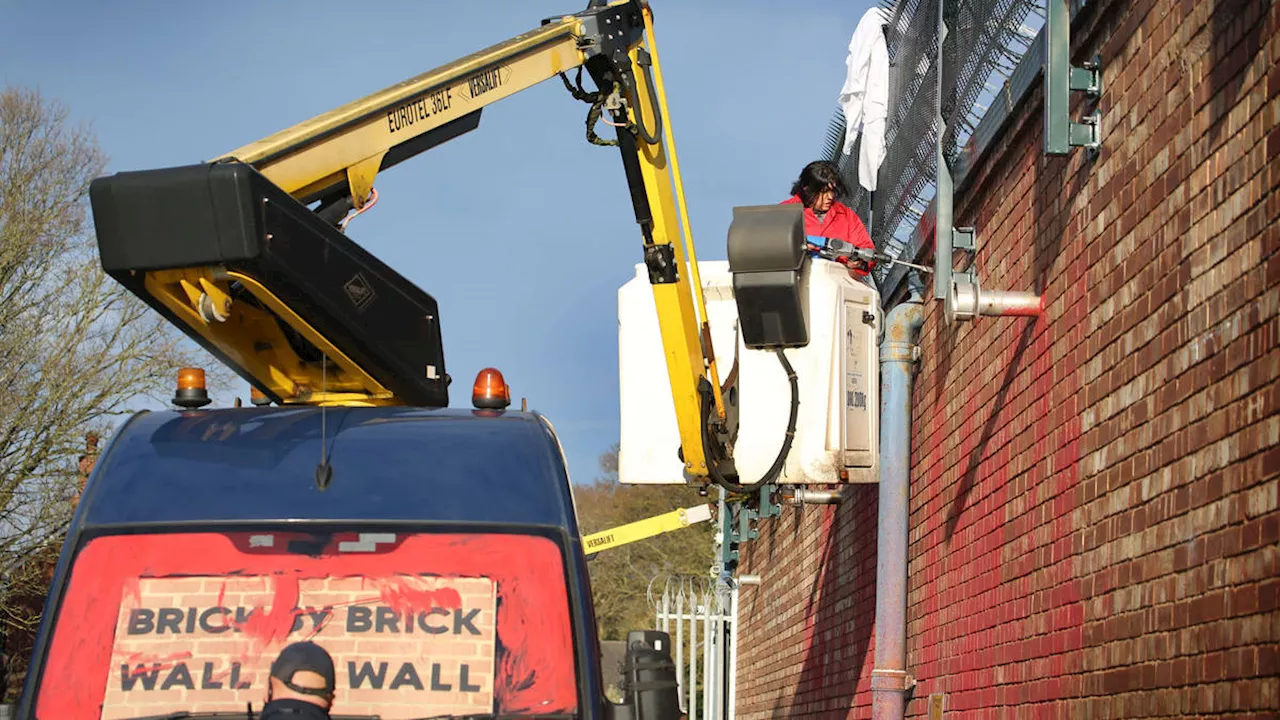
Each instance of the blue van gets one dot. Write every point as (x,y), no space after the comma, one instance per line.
(434,553)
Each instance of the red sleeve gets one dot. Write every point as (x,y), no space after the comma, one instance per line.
(857,232)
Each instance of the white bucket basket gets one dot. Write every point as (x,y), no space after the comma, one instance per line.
(838,373)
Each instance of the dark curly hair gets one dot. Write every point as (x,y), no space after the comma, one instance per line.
(816,177)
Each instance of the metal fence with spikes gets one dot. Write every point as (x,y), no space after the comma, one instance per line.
(699,613)
(985,41)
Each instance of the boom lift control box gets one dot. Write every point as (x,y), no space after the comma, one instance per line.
(767,258)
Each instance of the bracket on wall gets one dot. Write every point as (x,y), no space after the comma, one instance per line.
(958,291)
(949,286)
(738,525)
(1061,78)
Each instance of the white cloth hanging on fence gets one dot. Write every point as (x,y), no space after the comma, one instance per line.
(864,99)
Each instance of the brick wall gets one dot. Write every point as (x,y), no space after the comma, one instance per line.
(183,643)
(807,628)
(1094,521)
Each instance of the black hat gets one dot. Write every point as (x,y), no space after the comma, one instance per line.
(304,656)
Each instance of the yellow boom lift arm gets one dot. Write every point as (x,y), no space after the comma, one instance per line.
(295,348)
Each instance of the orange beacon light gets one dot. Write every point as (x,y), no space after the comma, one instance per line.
(191,389)
(490,391)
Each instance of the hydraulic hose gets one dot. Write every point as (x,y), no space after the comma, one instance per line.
(709,447)
(652,139)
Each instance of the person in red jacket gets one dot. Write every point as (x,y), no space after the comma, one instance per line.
(817,188)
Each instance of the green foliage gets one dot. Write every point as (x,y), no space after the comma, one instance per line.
(620,577)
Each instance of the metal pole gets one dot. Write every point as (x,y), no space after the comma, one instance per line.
(692,710)
(718,656)
(897,356)
(708,671)
(680,648)
(942,228)
(1000,303)
(806,496)
(664,616)
(732,700)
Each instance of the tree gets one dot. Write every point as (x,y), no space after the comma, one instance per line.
(620,577)
(77,350)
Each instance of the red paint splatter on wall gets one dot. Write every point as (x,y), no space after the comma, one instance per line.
(536,671)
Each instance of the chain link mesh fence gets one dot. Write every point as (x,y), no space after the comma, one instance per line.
(985,40)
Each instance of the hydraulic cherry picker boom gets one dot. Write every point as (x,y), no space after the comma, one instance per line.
(247,253)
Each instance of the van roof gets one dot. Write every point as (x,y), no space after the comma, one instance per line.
(388,464)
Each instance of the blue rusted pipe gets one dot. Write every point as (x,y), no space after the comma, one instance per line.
(898,354)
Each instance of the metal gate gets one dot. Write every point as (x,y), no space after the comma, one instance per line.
(700,615)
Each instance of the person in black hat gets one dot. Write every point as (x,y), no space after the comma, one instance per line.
(301,685)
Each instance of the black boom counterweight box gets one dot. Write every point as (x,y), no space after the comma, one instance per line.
(229,216)
(770,280)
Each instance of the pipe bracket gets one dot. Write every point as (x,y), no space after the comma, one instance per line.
(891,352)
(892,680)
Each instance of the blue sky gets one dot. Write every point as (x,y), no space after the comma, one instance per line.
(521,230)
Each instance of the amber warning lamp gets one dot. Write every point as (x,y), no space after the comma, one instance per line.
(191,390)
(490,391)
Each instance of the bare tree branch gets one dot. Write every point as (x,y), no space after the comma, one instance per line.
(77,350)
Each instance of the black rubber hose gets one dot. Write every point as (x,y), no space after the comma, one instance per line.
(776,469)
(657,110)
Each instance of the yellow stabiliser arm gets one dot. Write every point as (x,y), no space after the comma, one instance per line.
(334,158)
(647,528)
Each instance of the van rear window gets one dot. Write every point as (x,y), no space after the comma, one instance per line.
(417,624)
